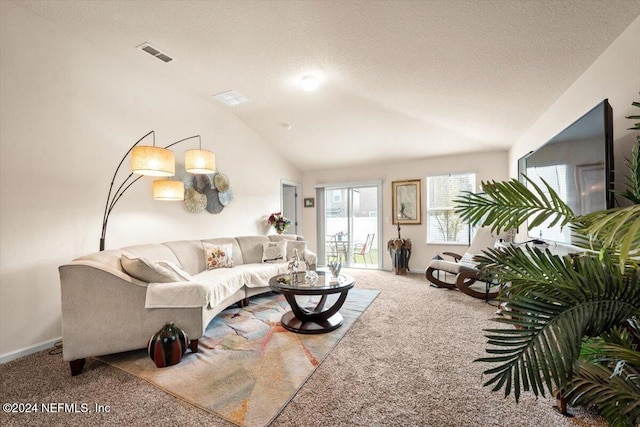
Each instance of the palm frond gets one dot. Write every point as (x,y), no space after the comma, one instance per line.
(615,229)
(632,192)
(509,204)
(620,343)
(526,269)
(554,317)
(615,394)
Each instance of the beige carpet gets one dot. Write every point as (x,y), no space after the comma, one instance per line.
(248,366)
(408,361)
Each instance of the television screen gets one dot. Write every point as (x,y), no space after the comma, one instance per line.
(578,164)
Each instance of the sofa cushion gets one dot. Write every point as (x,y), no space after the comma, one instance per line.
(147,270)
(156,252)
(292,246)
(450,266)
(274,252)
(190,253)
(251,247)
(218,256)
(280,237)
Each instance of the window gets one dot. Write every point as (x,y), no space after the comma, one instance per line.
(557,176)
(443,224)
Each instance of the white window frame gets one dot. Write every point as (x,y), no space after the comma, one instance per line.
(430,209)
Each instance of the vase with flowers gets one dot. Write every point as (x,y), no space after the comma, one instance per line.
(279,222)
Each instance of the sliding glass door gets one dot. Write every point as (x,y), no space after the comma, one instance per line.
(349,225)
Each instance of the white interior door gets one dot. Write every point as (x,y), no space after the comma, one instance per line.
(291,205)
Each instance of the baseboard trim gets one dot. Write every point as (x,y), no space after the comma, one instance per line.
(25,351)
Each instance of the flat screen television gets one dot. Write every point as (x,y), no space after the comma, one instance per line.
(578,164)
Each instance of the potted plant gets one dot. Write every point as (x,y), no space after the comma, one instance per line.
(574,324)
(279,222)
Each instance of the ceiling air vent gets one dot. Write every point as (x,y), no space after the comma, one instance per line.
(146,47)
(231,97)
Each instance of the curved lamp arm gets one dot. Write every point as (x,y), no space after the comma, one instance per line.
(113,197)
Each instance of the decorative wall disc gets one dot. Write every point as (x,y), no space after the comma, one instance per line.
(203,182)
(226,197)
(221,181)
(195,202)
(213,201)
(184,176)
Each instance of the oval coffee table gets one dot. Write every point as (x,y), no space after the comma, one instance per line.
(312,320)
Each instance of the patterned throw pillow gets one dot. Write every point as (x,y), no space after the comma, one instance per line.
(274,251)
(218,256)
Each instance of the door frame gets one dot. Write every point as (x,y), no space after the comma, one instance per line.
(320,214)
(296,220)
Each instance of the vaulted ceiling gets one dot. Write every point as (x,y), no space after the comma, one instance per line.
(399,79)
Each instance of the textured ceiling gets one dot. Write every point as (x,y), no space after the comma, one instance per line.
(401,79)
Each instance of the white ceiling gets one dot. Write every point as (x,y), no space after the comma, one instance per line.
(401,79)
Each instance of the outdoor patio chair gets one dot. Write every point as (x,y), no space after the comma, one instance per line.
(335,248)
(364,249)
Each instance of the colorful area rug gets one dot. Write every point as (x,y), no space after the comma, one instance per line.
(247,367)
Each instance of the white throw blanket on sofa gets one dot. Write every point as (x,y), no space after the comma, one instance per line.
(209,288)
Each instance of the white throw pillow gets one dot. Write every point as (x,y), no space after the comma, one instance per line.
(300,245)
(274,251)
(218,256)
(183,275)
(148,271)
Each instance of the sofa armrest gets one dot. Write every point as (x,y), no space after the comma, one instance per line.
(105,268)
(103,312)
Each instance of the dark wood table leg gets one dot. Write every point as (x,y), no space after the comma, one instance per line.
(314,321)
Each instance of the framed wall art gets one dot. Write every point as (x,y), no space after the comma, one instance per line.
(407,201)
(309,202)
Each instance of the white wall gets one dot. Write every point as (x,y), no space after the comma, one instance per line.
(68,114)
(614,75)
(488,166)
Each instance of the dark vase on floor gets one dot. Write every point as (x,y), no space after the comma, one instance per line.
(167,346)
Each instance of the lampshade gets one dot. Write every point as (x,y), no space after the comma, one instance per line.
(168,190)
(199,161)
(153,161)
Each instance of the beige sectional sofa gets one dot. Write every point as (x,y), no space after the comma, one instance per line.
(105,310)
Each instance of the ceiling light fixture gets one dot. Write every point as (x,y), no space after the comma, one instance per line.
(310,83)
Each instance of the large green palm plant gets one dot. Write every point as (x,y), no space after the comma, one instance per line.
(573,326)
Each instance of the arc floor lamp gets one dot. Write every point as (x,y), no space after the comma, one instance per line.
(150,160)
